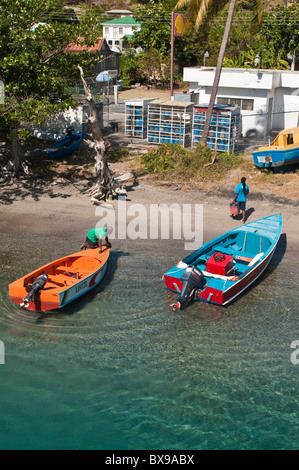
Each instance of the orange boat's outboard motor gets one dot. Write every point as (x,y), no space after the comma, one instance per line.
(193,279)
(37,285)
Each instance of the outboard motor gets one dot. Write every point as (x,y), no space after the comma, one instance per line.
(193,280)
(37,285)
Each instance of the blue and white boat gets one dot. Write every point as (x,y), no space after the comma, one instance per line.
(223,268)
(65,146)
(284,150)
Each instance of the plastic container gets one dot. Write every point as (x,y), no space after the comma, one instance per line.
(234,208)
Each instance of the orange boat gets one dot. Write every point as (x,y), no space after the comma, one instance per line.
(60,282)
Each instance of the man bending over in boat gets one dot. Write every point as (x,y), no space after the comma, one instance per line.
(96,237)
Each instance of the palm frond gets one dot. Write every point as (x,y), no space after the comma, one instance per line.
(201,13)
(197,11)
(181,4)
(258,15)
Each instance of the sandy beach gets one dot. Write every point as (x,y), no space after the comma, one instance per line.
(65,211)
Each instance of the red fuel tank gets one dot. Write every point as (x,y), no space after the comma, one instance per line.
(219,263)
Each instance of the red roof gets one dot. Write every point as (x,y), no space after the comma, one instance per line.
(77,48)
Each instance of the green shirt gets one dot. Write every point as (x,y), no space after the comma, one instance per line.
(96,233)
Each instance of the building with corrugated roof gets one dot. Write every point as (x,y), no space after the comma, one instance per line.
(108,59)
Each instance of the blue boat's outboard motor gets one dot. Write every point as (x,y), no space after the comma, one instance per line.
(192,279)
(37,285)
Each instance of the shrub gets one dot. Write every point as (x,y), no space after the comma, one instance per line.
(179,163)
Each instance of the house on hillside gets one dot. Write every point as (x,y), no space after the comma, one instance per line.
(268,99)
(121,13)
(108,59)
(115,30)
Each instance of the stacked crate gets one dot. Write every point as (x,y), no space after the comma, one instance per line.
(136,118)
(224,128)
(170,122)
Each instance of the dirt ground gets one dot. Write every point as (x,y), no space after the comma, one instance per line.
(143,92)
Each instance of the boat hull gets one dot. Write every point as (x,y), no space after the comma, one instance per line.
(62,288)
(275,158)
(65,146)
(283,151)
(221,290)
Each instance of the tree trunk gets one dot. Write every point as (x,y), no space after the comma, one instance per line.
(18,161)
(106,186)
(218,71)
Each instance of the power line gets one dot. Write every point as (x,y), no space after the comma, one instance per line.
(219,21)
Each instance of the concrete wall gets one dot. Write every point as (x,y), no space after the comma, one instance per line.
(270,89)
(55,127)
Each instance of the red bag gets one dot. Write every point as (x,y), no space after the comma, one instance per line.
(234,208)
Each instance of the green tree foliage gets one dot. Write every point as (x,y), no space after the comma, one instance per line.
(198,13)
(147,58)
(129,67)
(276,40)
(155,20)
(173,161)
(280,31)
(147,67)
(36,69)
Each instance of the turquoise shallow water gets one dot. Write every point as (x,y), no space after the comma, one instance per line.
(119,369)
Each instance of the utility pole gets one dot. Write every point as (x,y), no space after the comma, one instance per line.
(172,55)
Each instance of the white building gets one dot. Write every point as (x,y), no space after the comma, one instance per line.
(269,99)
(115,30)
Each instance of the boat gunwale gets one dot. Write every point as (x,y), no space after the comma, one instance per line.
(57,297)
(102,260)
(265,258)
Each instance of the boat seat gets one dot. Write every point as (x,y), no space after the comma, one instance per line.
(237,254)
(223,249)
(244,256)
(241,268)
(62,280)
(55,280)
(68,270)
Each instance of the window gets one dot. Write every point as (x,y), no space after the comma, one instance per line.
(110,42)
(116,43)
(247,105)
(244,104)
(121,31)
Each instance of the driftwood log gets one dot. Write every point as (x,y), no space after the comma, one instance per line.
(105,186)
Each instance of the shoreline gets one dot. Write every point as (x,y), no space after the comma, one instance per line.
(68,213)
